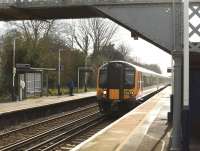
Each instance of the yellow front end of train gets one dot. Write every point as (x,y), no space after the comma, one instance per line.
(116,87)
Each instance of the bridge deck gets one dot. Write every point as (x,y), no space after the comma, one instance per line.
(54,3)
(56,9)
(32,3)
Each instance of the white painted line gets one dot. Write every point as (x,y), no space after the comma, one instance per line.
(163,142)
(141,130)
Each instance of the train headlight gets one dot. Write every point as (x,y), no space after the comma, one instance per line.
(104,92)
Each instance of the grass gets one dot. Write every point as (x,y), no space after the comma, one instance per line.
(54,92)
(51,92)
(5,99)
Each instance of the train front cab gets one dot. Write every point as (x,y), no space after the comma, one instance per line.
(117,87)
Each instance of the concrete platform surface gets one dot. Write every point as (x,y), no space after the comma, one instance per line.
(143,129)
(42,101)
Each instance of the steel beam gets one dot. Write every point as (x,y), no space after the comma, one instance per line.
(178,72)
(152,22)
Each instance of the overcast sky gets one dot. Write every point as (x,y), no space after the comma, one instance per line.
(2,27)
(146,52)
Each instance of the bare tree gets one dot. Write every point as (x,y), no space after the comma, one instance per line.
(94,33)
(101,32)
(89,34)
(82,39)
(34,30)
(66,32)
(124,50)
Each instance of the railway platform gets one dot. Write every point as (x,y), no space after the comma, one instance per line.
(145,128)
(39,102)
(14,113)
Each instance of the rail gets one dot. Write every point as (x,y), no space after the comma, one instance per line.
(49,124)
(52,135)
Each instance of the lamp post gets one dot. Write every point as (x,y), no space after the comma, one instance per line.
(85,69)
(186,73)
(86,75)
(78,82)
(13,71)
(186,55)
(59,60)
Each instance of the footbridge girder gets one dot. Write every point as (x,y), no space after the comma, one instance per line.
(152,22)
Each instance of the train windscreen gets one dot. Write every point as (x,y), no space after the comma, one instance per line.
(129,77)
(103,78)
(115,75)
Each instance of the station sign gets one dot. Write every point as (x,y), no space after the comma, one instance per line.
(169,70)
(23,66)
(61,67)
(85,69)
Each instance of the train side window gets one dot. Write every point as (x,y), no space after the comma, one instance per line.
(147,80)
(129,79)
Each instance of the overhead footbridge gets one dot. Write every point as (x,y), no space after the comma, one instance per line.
(150,19)
(131,14)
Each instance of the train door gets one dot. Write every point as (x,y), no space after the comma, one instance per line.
(139,82)
(115,81)
(121,88)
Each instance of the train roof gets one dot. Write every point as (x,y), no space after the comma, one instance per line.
(136,67)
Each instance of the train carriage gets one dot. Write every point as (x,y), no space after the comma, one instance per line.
(121,85)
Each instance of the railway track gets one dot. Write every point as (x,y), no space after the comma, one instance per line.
(51,125)
(52,143)
(51,137)
(75,140)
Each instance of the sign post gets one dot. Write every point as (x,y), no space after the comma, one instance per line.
(14,71)
(85,69)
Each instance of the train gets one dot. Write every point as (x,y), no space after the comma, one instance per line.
(122,85)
